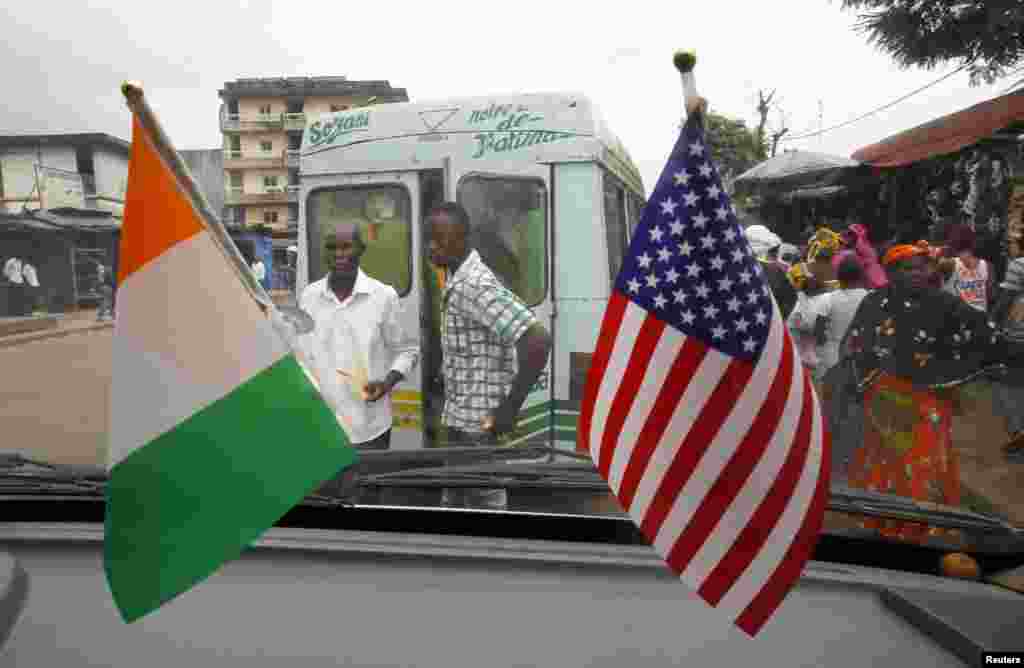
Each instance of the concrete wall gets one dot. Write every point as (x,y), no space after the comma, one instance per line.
(19,178)
(111,169)
(207,167)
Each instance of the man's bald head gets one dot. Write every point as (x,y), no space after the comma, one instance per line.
(347,232)
(343,248)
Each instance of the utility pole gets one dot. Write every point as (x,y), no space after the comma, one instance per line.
(821,121)
(776,136)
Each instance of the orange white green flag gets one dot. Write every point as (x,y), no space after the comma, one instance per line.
(216,432)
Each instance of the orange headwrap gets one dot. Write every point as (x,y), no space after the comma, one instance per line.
(904,251)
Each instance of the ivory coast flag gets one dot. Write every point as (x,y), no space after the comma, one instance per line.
(215,431)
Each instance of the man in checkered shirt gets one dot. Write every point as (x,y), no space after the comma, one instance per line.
(493,347)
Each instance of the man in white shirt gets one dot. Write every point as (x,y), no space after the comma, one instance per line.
(15,287)
(31,277)
(12,270)
(31,287)
(359,349)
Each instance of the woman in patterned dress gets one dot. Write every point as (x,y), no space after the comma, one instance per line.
(908,348)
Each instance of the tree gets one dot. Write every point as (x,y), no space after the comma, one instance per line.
(734,147)
(985,36)
(764,105)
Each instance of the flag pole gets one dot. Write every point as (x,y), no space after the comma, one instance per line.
(137,103)
(685,62)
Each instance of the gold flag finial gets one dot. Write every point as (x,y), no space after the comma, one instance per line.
(685,60)
(131,88)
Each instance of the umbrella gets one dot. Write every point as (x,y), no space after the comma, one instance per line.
(793,164)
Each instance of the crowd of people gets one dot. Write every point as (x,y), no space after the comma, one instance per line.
(893,339)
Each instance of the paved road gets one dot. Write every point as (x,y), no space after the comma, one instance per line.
(54,397)
(54,405)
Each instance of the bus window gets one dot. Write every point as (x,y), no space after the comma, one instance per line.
(614,225)
(509,219)
(383,214)
(634,209)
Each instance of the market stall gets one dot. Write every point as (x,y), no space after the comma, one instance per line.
(797,191)
(957,169)
(64,246)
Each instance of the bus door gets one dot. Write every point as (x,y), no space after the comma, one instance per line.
(509,210)
(387,207)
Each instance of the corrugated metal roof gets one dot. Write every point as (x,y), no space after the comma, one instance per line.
(67,139)
(947,134)
(795,163)
(63,219)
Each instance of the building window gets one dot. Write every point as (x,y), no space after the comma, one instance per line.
(265,109)
(339,107)
(236,180)
(270,183)
(266,146)
(270,217)
(384,216)
(509,218)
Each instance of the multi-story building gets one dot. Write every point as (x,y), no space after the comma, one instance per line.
(49,171)
(262,121)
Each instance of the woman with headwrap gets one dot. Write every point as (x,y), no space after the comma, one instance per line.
(813,280)
(907,349)
(856,238)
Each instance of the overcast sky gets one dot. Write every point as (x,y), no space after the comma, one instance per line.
(63,65)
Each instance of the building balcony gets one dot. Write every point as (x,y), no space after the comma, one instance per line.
(237,196)
(235,159)
(294,122)
(253,122)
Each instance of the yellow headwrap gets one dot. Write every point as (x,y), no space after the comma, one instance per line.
(824,239)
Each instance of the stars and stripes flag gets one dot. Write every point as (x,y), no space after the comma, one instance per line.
(697,409)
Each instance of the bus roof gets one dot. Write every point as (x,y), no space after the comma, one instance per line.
(557,127)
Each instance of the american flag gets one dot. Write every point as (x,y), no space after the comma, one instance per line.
(697,409)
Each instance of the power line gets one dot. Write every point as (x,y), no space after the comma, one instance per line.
(875,111)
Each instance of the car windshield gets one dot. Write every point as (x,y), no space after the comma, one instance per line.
(445,269)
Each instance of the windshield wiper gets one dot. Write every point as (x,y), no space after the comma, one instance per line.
(846,499)
(476,466)
(581,476)
(567,475)
(24,475)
